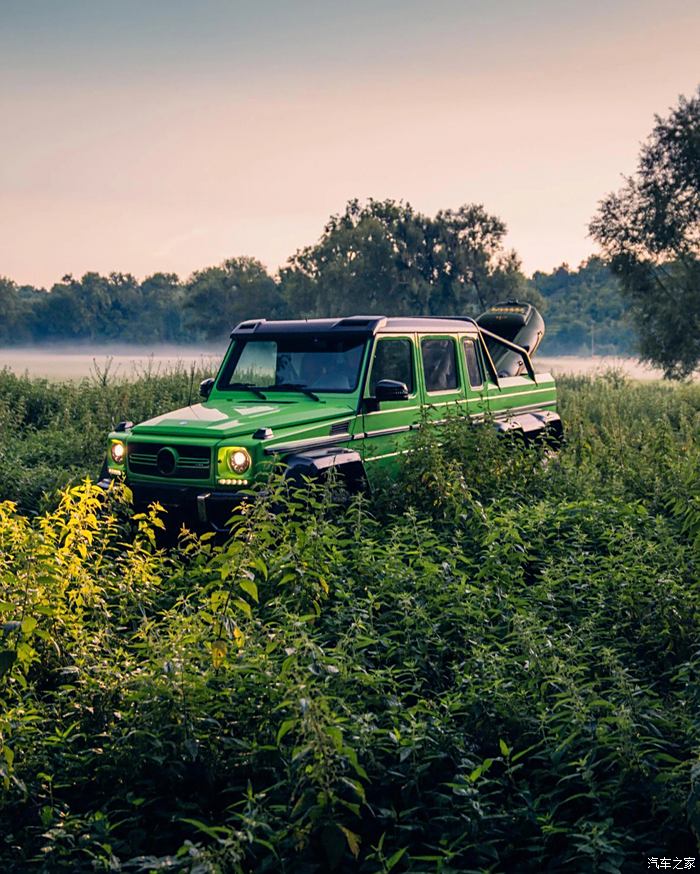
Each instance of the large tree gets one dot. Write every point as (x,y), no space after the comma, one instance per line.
(217,298)
(162,298)
(384,257)
(650,232)
(93,307)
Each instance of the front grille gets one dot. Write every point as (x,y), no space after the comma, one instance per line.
(169,460)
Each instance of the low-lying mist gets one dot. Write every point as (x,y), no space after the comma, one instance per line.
(75,361)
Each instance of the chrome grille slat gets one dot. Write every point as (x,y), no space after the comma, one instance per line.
(193,462)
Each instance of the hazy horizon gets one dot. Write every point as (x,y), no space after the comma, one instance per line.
(119,360)
(169,136)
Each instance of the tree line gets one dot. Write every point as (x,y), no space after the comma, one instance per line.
(383,256)
(375,257)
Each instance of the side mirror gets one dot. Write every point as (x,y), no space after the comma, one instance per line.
(391,390)
(205,387)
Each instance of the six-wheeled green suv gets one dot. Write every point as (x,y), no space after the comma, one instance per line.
(333,393)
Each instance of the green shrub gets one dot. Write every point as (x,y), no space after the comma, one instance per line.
(53,434)
(492,667)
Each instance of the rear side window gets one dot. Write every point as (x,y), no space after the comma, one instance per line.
(439,364)
(393,359)
(474,372)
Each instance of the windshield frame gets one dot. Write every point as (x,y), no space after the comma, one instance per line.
(238,344)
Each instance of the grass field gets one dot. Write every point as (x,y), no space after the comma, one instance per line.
(490,665)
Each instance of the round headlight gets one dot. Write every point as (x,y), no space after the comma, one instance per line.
(238,461)
(117,450)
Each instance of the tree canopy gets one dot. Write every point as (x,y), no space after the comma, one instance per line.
(584,310)
(379,256)
(384,256)
(650,232)
(219,297)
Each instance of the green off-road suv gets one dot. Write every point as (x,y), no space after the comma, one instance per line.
(333,393)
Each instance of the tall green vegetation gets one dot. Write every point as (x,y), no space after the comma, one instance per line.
(53,433)
(650,232)
(489,665)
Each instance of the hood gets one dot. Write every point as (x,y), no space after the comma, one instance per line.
(225,418)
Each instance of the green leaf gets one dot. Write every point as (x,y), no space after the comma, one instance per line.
(480,769)
(352,839)
(213,831)
(352,807)
(524,752)
(259,565)
(250,588)
(29,623)
(395,858)
(357,767)
(285,728)
(475,774)
(244,607)
(505,749)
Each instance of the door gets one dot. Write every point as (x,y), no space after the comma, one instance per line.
(442,378)
(512,395)
(387,425)
(476,390)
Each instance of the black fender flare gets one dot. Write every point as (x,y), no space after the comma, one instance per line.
(316,464)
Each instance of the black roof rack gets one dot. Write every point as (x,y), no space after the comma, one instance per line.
(354,324)
(357,324)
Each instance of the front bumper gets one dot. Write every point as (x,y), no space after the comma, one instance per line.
(197,504)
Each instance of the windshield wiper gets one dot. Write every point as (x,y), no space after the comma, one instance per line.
(293,386)
(249,387)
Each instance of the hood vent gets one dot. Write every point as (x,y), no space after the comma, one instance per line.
(263,434)
(339,428)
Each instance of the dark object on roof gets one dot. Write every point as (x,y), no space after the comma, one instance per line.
(519,323)
(357,325)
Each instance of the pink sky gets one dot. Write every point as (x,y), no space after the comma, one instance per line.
(173,142)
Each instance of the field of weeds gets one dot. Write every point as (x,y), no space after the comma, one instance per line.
(490,664)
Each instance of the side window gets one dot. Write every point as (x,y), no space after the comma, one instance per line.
(393,359)
(439,364)
(476,377)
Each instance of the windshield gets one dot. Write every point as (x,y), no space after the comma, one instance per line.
(320,362)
